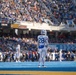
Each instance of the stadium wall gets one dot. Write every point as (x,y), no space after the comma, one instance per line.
(39,26)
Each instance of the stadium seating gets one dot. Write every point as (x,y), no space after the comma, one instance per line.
(56,11)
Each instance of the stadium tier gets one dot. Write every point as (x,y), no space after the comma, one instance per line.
(51,11)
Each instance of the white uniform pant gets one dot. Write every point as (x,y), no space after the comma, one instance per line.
(18,55)
(42,53)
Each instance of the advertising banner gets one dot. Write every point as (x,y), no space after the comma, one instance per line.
(63,46)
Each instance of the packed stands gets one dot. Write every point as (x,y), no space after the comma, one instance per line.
(29,49)
(50,11)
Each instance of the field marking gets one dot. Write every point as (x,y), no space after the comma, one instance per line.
(37,73)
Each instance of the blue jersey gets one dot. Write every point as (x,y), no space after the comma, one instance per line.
(42,41)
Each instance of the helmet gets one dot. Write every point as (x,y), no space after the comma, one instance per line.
(44,32)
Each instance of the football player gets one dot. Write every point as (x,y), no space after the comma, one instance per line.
(42,47)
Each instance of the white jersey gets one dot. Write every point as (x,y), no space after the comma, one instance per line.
(18,48)
(42,41)
(18,51)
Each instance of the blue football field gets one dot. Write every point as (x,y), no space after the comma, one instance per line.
(33,66)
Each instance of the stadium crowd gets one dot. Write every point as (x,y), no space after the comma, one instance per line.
(29,50)
(52,12)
